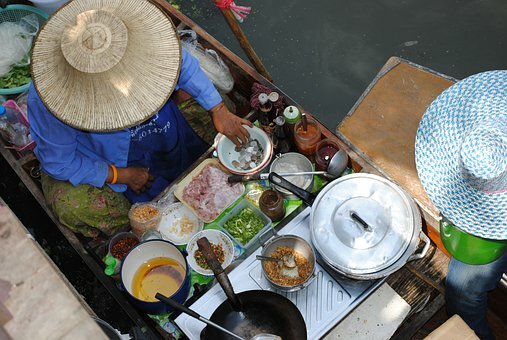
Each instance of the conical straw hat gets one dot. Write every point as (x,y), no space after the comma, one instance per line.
(105,65)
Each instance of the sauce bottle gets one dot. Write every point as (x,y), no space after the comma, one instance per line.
(265,109)
(281,142)
(292,115)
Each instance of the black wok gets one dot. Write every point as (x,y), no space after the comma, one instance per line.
(251,312)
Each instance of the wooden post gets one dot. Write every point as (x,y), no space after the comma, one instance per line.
(245,44)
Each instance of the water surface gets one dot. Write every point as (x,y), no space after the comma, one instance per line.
(325,53)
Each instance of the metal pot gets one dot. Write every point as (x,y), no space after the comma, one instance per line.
(363,226)
(300,245)
(293,162)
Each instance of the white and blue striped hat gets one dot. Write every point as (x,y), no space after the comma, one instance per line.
(461,154)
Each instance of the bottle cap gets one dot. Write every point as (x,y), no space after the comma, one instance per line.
(273,97)
(292,114)
(263,98)
(110,261)
(280,121)
(2,110)
(109,270)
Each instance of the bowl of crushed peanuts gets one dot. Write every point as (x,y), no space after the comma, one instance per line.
(143,217)
(299,273)
(220,243)
(179,224)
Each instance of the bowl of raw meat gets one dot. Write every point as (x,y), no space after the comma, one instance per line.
(249,158)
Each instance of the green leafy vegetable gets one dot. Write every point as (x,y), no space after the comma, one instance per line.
(244,226)
(18,76)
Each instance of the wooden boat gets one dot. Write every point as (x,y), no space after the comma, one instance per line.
(244,76)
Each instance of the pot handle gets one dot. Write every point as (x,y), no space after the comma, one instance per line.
(219,272)
(306,196)
(423,252)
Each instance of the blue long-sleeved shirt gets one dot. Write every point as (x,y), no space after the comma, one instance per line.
(82,157)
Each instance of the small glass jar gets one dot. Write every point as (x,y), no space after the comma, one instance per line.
(324,151)
(306,141)
(143,217)
(271,204)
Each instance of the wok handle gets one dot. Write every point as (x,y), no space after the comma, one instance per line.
(423,252)
(218,271)
(306,196)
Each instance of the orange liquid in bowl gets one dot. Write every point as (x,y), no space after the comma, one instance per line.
(158,275)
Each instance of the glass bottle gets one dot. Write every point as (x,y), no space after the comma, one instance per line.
(281,142)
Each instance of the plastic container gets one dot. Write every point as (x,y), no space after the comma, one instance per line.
(11,127)
(143,217)
(49,6)
(235,211)
(14,13)
(11,104)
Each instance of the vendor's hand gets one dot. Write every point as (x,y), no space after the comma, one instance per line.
(137,179)
(230,125)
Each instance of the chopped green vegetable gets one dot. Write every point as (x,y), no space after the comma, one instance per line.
(244,226)
(17,76)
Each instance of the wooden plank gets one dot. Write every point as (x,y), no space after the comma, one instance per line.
(381,126)
(408,329)
(42,302)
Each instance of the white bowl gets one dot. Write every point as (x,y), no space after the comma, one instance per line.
(227,154)
(213,236)
(169,225)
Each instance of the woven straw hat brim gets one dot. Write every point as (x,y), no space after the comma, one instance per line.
(130,92)
(443,128)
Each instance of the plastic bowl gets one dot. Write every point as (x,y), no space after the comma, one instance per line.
(227,154)
(142,253)
(170,226)
(235,211)
(213,236)
(14,13)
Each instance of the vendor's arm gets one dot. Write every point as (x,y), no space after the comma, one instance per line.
(193,81)
(57,150)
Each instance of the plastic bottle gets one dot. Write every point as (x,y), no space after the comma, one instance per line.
(11,129)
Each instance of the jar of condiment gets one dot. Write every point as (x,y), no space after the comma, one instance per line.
(271,204)
(306,140)
(143,217)
(325,150)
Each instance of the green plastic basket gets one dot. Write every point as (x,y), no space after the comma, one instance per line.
(14,13)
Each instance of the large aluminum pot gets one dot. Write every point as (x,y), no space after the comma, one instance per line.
(363,226)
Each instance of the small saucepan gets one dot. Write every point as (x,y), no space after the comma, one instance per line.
(306,267)
(169,270)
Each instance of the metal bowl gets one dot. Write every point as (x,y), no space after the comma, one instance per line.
(299,245)
(293,162)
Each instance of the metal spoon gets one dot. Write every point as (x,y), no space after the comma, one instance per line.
(338,163)
(287,260)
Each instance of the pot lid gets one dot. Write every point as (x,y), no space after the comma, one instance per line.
(362,223)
